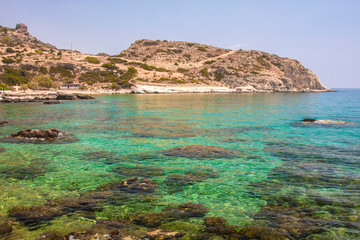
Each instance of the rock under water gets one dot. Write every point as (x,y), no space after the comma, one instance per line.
(201,152)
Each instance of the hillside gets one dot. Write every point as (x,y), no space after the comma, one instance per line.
(30,63)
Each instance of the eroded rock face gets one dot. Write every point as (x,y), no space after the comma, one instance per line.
(20,27)
(39,136)
(200,152)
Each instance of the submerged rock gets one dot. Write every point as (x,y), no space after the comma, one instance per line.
(176,182)
(36,215)
(108,157)
(133,185)
(185,211)
(153,219)
(160,234)
(2,149)
(147,172)
(51,235)
(3,123)
(39,136)
(5,229)
(200,152)
(51,102)
(36,167)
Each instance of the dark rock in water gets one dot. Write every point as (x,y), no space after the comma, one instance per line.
(2,149)
(51,102)
(133,185)
(5,229)
(153,219)
(38,133)
(160,234)
(176,182)
(311,120)
(36,167)
(147,172)
(219,226)
(201,152)
(108,157)
(62,96)
(3,123)
(185,211)
(34,216)
(81,96)
(51,235)
(39,136)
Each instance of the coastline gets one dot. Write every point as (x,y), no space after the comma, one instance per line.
(73,94)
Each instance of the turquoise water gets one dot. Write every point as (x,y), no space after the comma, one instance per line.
(300,180)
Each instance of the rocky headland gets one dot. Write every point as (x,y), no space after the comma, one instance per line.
(147,66)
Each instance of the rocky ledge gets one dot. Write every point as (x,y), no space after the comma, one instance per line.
(39,136)
(46,97)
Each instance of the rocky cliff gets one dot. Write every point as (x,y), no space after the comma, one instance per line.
(28,62)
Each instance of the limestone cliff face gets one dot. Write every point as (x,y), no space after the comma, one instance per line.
(256,70)
(152,63)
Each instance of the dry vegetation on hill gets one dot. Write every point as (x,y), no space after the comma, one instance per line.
(30,63)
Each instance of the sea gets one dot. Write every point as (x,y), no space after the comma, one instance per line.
(210,166)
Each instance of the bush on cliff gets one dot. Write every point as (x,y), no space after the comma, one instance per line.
(130,74)
(43,81)
(92,60)
(66,73)
(12,76)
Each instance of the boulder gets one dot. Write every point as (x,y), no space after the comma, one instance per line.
(45,134)
(52,102)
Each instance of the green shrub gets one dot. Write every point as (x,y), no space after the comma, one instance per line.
(30,54)
(43,70)
(109,66)
(43,81)
(218,75)
(6,40)
(131,73)
(204,72)
(33,85)
(90,77)
(182,70)
(209,62)
(7,60)
(38,51)
(59,53)
(151,43)
(12,76)
(10,50)
(117,60)
(187,56)
(66,73)
(92,60)
(115,86)
(161,70)
(19,60)
(147,67)
(256,68)
(190,44)
(5,29)
(202,49)
(3,86)
(159,50)
(262,61)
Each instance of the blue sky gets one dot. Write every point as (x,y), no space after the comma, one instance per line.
(324,35)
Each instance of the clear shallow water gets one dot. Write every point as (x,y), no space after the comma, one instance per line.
(301,180)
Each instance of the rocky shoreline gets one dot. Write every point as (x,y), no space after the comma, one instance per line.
(53,97)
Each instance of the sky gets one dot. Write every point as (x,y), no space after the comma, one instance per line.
(324,35)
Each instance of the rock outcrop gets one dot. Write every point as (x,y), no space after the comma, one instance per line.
(149,66)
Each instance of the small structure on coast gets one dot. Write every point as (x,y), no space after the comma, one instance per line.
(70,86)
